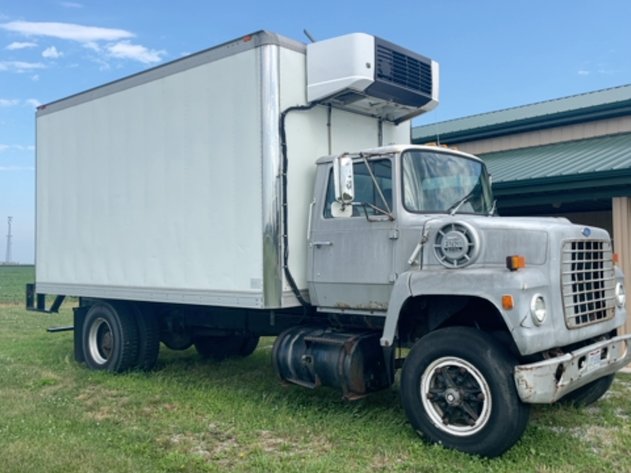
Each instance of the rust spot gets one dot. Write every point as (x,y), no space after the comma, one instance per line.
(371,306)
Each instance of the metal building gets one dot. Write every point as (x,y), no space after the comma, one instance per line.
(567,157)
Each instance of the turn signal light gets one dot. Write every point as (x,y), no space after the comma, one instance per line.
(615,257)
(508,303)
(515,262)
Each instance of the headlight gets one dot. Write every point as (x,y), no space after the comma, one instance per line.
(538,310)
(621,298)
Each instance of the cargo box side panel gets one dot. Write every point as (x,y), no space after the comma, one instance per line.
(154,192)
(308,138)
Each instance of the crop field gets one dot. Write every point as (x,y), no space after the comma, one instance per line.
(193,415)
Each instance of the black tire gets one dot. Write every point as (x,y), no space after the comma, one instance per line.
(148,337)
(110,337)
(226,346)
(249,344)
(590,393)
(457,389)
(175,333)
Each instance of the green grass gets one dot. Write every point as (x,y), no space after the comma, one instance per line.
(190,415)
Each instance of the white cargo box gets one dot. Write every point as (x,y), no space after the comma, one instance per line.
(165,186)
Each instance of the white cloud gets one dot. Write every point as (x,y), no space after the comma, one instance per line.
(583,72)
(33,103)
(127,50)
(4,148)
(71,5)
(15,102)
(51,53)
(91,45)
(107,43)
(20,45)
(9,102)
(19,66)
(69,31)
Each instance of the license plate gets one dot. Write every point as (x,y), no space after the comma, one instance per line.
(594,359)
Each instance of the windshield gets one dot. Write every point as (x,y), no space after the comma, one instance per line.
(444,182)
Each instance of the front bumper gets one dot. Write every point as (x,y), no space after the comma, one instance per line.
(548,381)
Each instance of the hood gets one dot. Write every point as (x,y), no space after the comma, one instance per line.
(462,240)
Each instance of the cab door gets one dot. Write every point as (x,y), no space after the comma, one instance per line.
(352,257)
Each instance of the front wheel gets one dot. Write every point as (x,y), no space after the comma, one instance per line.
(457,389)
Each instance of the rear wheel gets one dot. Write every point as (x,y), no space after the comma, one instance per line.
(226,346)
(457,389)
(110,337)
(148,337)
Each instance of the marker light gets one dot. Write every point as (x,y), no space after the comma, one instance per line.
(508,303)
(515,262)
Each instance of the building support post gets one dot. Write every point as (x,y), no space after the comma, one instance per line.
(621,207)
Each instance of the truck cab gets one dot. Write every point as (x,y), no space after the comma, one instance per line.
(357,255)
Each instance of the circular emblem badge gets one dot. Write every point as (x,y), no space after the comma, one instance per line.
(456,245)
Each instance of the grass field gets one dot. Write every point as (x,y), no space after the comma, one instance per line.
(190,415)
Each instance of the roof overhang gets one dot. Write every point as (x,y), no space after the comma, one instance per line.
(584,170)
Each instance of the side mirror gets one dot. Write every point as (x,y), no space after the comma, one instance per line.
(343,178)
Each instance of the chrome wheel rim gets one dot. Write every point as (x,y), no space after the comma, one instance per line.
(455,396)
(100,341)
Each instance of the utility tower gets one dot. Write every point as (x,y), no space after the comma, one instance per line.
(7,260)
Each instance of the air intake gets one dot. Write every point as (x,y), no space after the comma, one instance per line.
(368,75)
(405,71)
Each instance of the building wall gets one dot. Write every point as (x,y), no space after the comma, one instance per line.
(547,136)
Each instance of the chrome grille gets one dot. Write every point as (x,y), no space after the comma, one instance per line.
(588,281)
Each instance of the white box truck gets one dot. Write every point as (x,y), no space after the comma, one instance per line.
(187,205)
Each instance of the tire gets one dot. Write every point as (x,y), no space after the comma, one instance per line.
(148,337)
(590,393)
(227,346)
(457,390)
(175,333)
(250,342)
(110,337)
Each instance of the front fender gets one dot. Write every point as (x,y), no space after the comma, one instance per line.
(485,283)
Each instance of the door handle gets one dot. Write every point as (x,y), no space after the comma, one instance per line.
(318,244)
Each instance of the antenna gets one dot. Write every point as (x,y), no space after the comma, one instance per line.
(308,35)
(7,260)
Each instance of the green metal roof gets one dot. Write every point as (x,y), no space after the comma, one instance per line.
(590,171)
(574,109)
(568,159)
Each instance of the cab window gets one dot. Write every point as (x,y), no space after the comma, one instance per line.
(365,190)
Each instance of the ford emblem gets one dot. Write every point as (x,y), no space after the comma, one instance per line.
(586,232)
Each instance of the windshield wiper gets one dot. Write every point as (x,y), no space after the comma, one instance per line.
(454,208)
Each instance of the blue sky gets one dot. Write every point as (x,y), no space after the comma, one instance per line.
(493,55)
